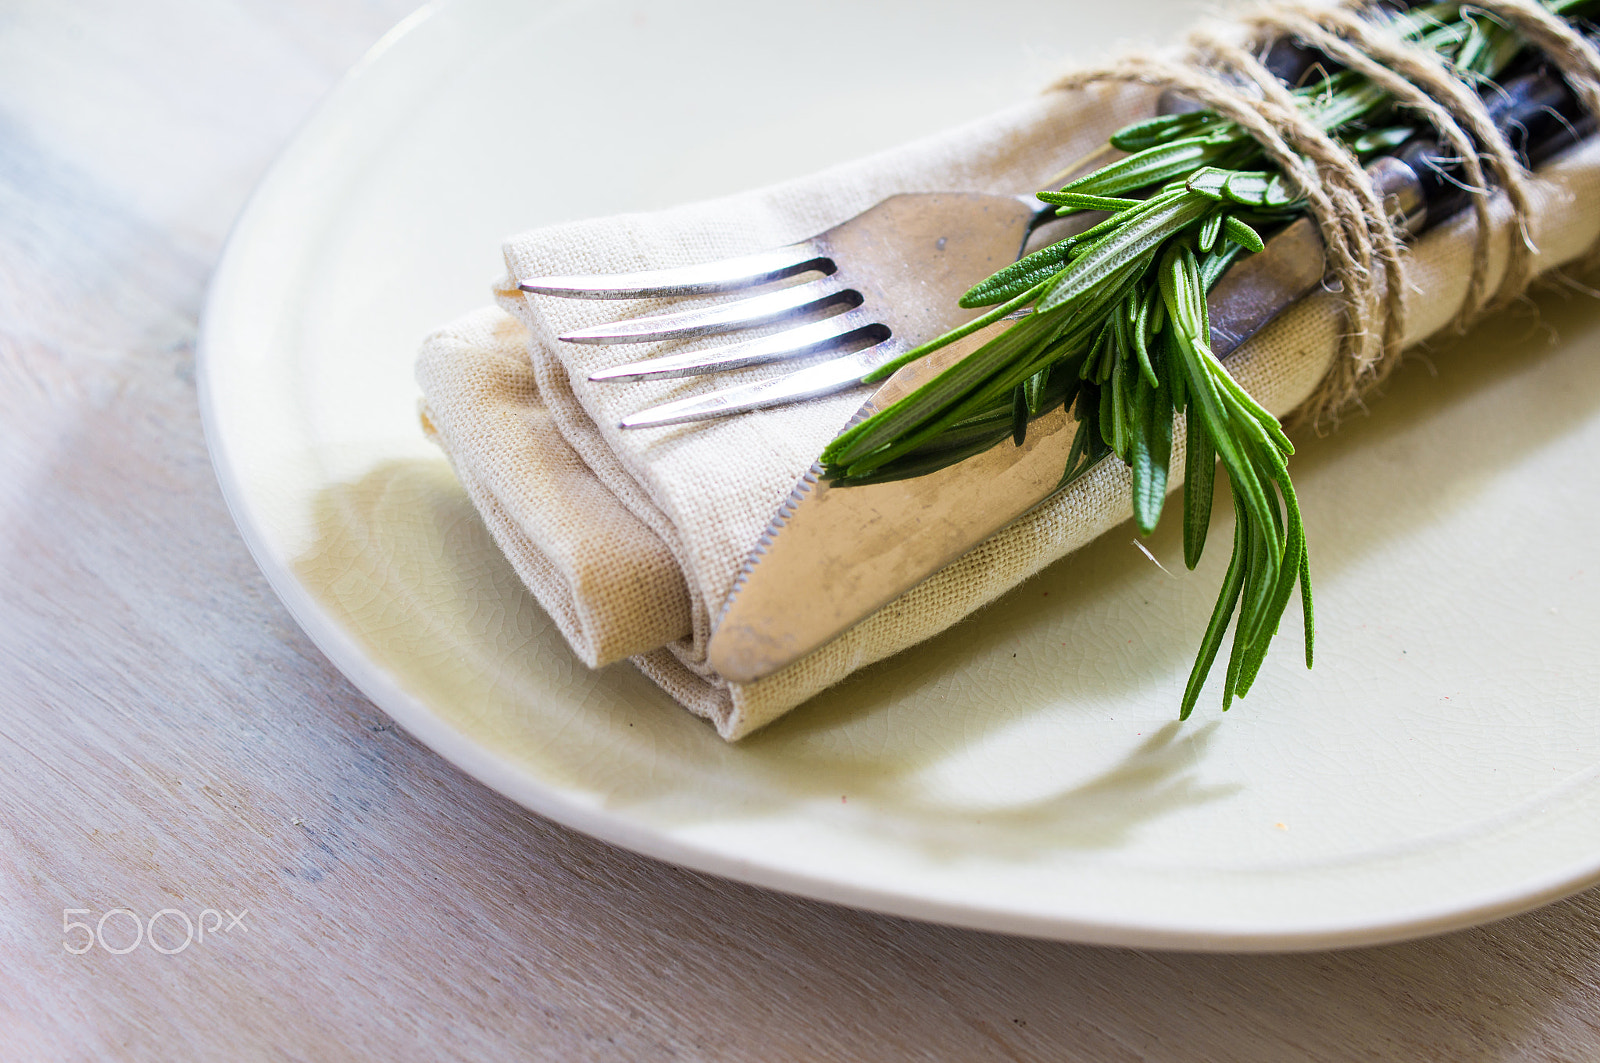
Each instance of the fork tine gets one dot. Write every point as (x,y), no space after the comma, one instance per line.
(791,343)
(836,374)
(722,317)
(725,275)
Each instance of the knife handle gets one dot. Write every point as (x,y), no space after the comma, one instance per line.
(1538,115)
(1422,185)
(1533,108)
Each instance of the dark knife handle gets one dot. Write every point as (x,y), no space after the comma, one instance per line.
(1534,109)
(1421,184)
(1536,112)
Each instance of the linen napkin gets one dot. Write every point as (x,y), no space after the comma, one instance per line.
(631,539)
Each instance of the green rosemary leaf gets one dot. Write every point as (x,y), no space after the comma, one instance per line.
(983,422)
(1111,426)
(1146,511)
(982,321)
(1152,166)
(983,429)
(1162,129)
(1377,141)
(1230,680)
(1079,201)
(1090,369)
(1241,234)
(967,437)
(1134,240)
(922,463)
(1254,483)
(1172,376)
(937,395)
(1086,241)
(1046,263)
(1158,432)
(1214,265)
(1209,181)
(1064,385)
(1210,229)
(1157,314)
(1254,188)
(1093,455)
(1199,480)
(1019,414)
(1220,614)
(1198,290)
(1136,324)
(1205,400)
(1259,190)
(1356,100)
(1132,420)
(1177,283)
(1019,277)
(1288,575)
(1255,411)
(867,455)
(1035,392)
(1305,602)
(1266,561)
(1151,453)
(1487,48)
(1102,298)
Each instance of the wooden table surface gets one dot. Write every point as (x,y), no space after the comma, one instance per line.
(172,743)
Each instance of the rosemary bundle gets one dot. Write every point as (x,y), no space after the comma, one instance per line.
(1118,333)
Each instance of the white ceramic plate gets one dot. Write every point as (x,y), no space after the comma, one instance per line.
(1023,772)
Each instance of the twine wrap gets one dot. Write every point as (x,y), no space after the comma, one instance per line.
(1363,243)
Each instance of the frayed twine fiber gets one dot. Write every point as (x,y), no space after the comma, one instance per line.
(1219,70)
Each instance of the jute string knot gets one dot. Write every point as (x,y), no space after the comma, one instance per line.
(1220,70)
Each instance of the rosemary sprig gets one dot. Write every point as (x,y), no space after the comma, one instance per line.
(1119,335)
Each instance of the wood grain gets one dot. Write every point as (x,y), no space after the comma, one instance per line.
(171,740)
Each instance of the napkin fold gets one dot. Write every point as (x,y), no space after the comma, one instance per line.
(631,540)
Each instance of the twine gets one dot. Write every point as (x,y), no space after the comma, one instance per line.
(1363,243)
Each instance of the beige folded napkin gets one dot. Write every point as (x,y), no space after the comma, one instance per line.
(631,540)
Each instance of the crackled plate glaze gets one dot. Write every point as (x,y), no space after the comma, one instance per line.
(1023,772)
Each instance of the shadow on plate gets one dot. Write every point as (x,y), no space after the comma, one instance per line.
(1044,718)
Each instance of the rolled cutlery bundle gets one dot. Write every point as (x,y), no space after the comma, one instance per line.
(634,539)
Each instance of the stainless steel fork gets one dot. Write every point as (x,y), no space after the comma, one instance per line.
(898,270)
